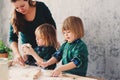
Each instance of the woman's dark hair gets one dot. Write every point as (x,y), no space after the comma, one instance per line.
(29,1)
(18,20)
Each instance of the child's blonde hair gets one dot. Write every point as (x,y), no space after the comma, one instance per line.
(75,25)
(48,33)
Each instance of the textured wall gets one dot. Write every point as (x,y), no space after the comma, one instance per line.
(0,18)
(5,11)
(101,20)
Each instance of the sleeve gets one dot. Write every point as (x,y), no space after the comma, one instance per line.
(59,53)
(77,61)
(48,15)
(81,56)
(12,36)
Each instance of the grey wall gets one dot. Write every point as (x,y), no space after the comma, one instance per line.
(1,18)
(5,11)
(101,20)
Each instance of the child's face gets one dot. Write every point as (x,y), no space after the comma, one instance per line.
(40,41)
(69,36)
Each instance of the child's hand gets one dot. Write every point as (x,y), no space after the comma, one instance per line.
(27,49)
(56,72)
(39,63)
(44,64)
(24,47)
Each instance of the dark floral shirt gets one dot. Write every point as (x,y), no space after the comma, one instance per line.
(45,53)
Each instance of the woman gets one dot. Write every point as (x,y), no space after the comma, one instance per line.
(27,16)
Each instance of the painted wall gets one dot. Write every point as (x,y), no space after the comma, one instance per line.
(5,13)
(101,20)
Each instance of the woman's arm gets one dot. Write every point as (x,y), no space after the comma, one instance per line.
(14,46)
(17,57)
(13,39)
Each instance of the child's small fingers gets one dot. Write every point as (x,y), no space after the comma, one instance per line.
(37,64)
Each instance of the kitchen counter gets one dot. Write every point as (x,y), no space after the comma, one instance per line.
(36,73)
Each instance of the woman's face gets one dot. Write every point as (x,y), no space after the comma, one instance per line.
(69,36)
(21,6)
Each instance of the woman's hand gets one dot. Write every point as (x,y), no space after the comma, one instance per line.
(19,60)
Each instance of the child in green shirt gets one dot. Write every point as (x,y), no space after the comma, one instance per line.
(47,43)
(73,52)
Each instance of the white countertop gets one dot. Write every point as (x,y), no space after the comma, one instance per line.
(28,73)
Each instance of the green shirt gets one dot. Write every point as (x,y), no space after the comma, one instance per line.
(75,52)
(42,15)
